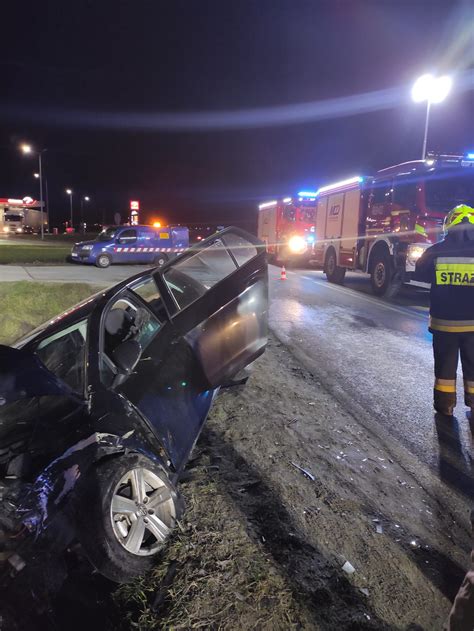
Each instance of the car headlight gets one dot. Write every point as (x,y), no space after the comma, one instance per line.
(297,244)
(19,230)
(414,253)
(87,247)
(6,229)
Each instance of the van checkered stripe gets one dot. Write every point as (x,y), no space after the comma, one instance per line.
(149,249)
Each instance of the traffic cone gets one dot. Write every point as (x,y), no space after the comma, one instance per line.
(283,273)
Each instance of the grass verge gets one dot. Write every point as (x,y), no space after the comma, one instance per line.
(20,254)
(212,574)
(25,305)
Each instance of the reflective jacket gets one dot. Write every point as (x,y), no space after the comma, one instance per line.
(449,267)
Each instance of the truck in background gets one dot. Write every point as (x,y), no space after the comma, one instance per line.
(381,225)
(19,216)
(287,227)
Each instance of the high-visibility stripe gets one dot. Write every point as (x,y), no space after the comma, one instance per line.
(445,385)
(420,229)
(455,259)
(468,386)
(452,326)
(457,271)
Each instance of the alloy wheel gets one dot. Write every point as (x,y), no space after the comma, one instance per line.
(142,511)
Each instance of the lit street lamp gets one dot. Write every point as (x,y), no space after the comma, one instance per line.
(432,90)
(85,198)
(27,150)
(69,192)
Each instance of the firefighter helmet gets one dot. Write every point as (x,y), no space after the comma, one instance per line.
(461,214)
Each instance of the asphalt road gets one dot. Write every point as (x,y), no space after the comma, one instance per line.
(376,356)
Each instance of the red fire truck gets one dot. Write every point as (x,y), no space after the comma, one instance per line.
(381,225)
(287,227)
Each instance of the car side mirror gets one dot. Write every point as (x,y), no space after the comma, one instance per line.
(126,357)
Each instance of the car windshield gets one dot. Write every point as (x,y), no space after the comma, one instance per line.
(107,235)
(445,192)
(13,217)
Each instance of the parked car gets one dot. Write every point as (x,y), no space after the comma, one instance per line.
(132,244)
(100,407)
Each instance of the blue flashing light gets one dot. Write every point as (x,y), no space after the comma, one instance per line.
(310,238)
(307,194)
(470,155)
(361,179)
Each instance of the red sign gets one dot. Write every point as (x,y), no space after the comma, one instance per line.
(134,205)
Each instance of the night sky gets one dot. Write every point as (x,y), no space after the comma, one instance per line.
(106,88)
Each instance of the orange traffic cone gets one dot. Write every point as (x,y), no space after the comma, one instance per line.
(283,273)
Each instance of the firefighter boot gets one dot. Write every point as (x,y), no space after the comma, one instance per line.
(444,397)
(469,395)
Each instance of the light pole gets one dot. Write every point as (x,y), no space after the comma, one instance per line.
(432,90)
(84,198)
(69,192)
(27,149)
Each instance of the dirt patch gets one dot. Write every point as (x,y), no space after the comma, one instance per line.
(263,544)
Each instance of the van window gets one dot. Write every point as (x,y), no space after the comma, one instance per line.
(128,236)
(382,192)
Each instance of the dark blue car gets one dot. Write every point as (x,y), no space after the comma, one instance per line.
(132,244)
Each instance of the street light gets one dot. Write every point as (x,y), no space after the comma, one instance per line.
(432,90)
(36,175)
(28,150)
(69,192)
(84,198)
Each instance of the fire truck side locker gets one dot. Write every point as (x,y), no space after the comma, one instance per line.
(267,228)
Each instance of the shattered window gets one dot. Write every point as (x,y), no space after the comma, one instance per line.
(242,249)
(64,355)
(191,278)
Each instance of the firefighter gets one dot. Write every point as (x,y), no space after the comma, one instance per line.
(449,267)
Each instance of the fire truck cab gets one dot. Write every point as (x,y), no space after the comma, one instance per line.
(381,225)
(287,227)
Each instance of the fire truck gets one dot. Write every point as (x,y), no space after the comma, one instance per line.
(21,215)
(382,224)
(287,227)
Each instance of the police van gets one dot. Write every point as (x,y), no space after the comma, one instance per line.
(132,244)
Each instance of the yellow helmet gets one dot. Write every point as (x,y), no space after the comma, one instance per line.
(458,215)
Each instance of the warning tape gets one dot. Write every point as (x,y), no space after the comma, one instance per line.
(149,249)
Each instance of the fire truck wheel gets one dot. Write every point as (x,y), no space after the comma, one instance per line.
(385,281)
(334,273)
(103,260)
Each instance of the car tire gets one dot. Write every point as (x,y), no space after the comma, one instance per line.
(123,545)
(334,273)
(103,261)
(385,282)
(161,260)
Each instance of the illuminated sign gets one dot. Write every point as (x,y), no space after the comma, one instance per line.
(134,205)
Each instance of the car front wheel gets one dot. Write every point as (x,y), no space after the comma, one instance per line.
(127,510)
(103,260)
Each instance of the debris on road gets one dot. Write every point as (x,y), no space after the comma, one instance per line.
(305,472)
(348,568)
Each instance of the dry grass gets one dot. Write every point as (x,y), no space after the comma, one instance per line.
(223,580)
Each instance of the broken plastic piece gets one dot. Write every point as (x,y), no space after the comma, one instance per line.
(348,568)
(305,472)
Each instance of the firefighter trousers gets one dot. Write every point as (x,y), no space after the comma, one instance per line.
(446,348)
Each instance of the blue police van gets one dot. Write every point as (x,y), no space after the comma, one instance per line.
(132,244)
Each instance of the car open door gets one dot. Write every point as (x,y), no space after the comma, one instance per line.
(216,295)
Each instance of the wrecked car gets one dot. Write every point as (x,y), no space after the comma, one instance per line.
(101,407)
